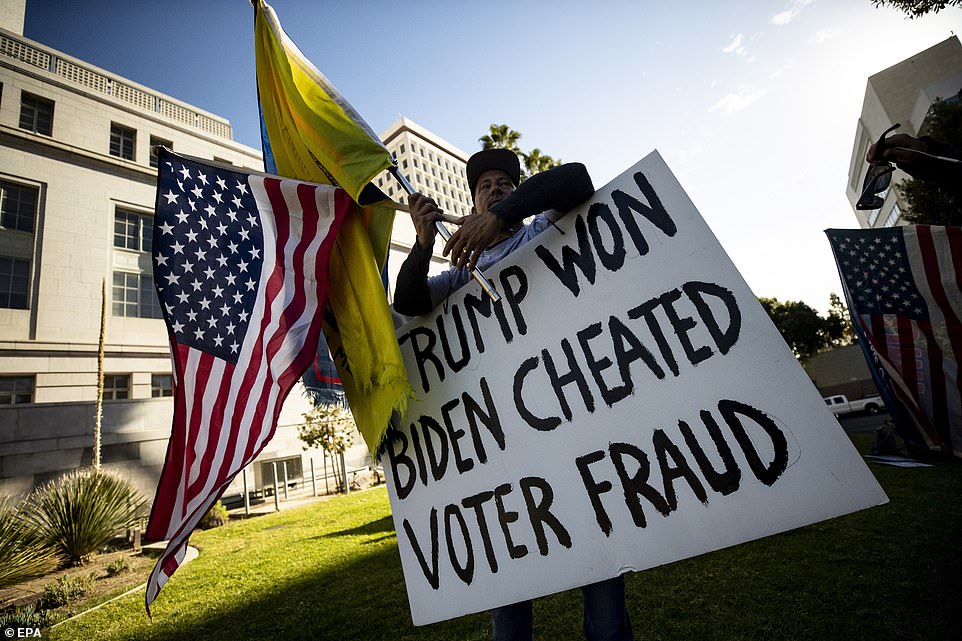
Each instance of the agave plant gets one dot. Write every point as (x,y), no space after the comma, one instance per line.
(23,556)
(83,510)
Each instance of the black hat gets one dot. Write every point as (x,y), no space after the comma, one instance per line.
(487,159)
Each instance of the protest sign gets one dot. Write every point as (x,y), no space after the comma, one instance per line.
(627,404)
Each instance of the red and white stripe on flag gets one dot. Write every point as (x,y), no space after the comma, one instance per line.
(226,409)
(903,286)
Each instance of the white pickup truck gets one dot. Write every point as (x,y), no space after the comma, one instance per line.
(839,404)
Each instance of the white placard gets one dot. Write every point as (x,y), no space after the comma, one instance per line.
(628,404)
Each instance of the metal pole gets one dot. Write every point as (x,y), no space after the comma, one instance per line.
(347,486)
(247,496)
(286,495)
(313,478)
(327,488)
(479,276)
(277,498)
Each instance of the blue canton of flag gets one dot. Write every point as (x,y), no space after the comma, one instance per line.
(209,250)
(877,272)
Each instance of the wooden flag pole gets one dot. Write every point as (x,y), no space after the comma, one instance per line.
(479,276)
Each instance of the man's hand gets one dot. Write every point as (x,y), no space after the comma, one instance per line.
(476,233)
(916,158)
(424,215)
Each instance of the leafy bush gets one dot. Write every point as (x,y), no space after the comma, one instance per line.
(80,512)
(23,556)
(216,517)
(29,616)
(118,566)
(65,590)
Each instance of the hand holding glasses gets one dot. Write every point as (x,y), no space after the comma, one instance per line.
(878,178)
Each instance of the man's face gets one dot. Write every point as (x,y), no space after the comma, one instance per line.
(492,187)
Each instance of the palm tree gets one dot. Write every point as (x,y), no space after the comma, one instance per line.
(535,161)
(501,137)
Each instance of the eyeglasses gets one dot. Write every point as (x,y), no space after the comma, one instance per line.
(878,178)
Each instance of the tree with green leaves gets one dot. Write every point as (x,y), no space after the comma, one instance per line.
(917,8)
(929,202)
(803,329)
(329,428)
(501,137)
(840,321)
(504,137)
(535,162)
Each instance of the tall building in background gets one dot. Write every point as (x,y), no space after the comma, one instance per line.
(78,183)
(901,94)
(435,168)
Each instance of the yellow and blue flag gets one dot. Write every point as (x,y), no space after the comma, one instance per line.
(310,132)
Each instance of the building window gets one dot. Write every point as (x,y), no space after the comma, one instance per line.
(404,164)
(872,217)
(402,149)
(116,387)
(161,385)
(158,142)
(18,206)
(16,390)
(894,217)
(134,296)
(36,114)
(122,141)
(133,231)
(14,282)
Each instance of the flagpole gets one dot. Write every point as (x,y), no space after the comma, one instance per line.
(479,276)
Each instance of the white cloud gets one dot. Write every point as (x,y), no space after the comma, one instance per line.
(738,101)
(735,45)
(823,35)
(784,17)
(782,70)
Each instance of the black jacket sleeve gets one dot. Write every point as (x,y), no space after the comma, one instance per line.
(411,294)
(561,188)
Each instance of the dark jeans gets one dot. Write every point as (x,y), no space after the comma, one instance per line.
(605,615)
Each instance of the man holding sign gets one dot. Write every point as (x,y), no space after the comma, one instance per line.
(493,230)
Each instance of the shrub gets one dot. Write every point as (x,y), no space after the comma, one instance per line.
(118,566)
(216,517)
(29,616)
(65,590)
(80,512)
(23,556)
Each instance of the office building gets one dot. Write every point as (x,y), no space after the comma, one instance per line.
(901,94)
(435,168)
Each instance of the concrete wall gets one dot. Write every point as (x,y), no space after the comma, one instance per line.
(40,442)
(841,370)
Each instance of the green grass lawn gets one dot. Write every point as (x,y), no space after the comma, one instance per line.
(331,571)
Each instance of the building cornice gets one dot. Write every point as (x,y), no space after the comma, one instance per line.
(204,123)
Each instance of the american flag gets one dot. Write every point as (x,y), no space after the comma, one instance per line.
(902,286)
(240,266)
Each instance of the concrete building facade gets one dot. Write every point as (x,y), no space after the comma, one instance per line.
(434,167)
(901,94)
(841,370)
(78,185)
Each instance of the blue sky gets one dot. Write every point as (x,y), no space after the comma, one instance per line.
(753,104)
